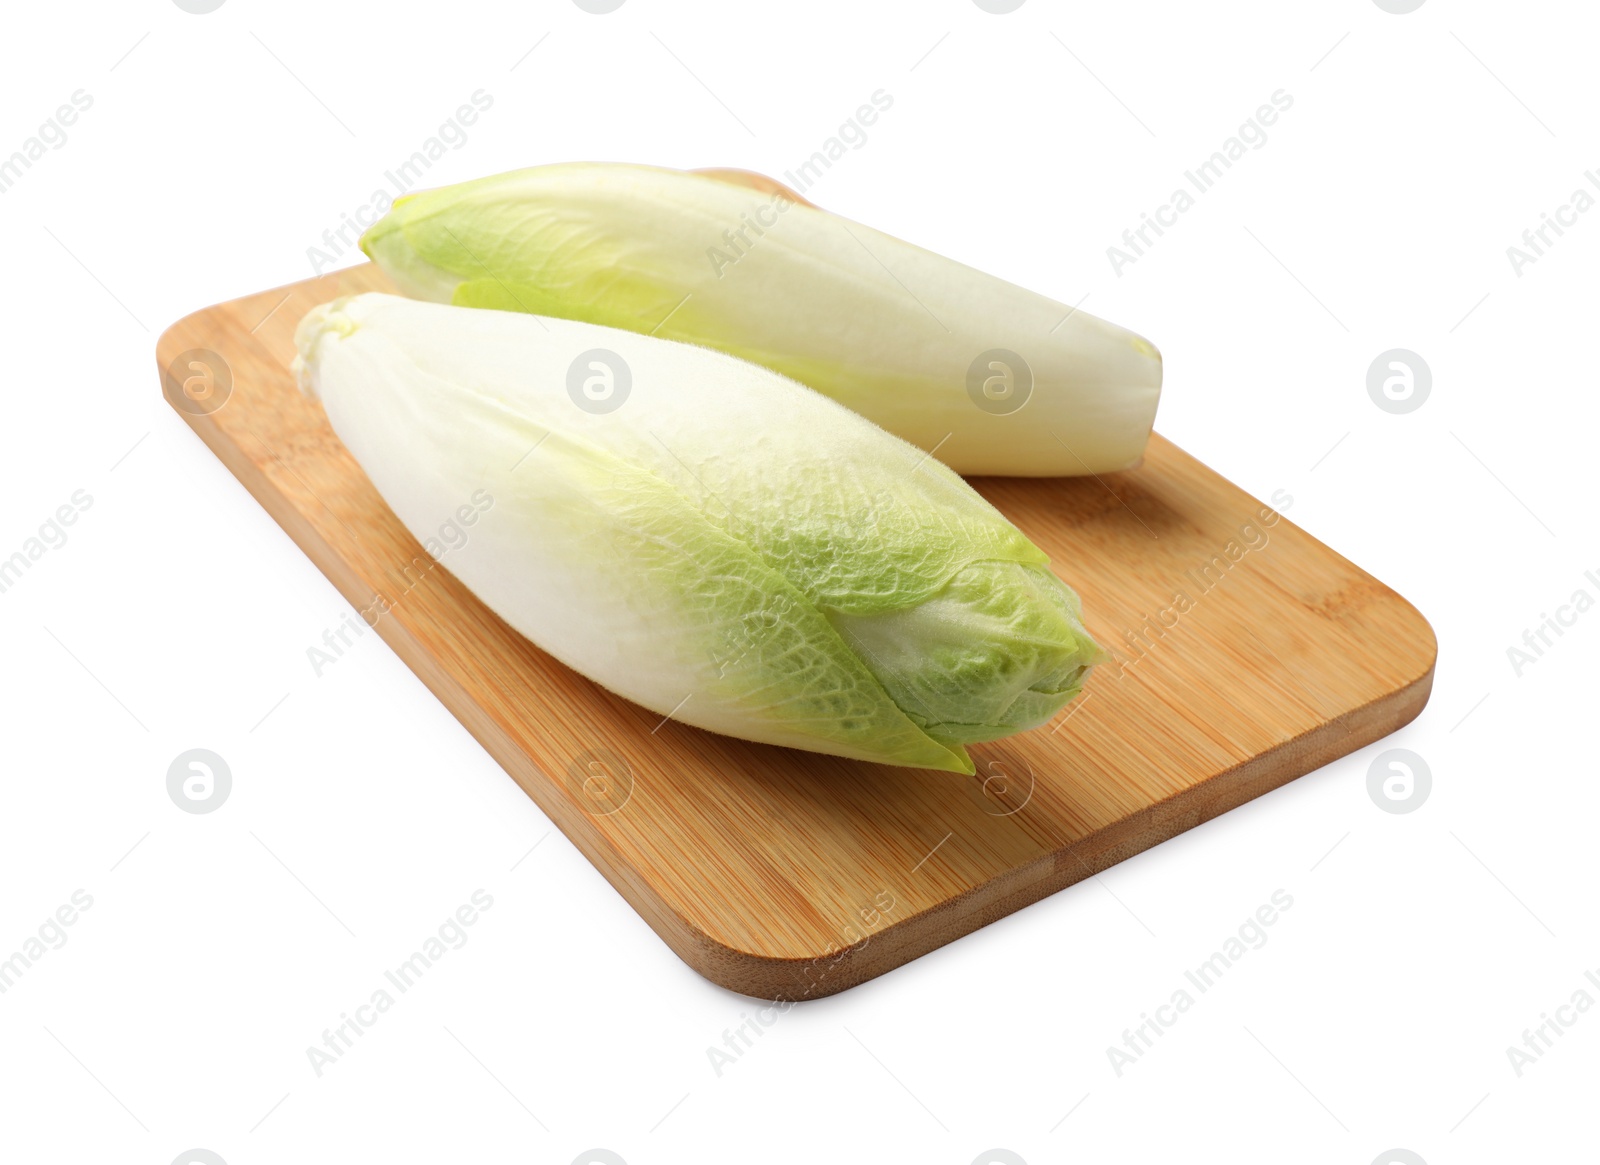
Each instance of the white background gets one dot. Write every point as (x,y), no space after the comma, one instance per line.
(219,148)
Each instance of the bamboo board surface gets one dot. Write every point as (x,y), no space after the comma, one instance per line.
(785,874)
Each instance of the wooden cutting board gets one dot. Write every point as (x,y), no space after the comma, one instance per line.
(784,874)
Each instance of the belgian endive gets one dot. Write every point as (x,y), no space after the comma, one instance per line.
(995,377)
(700,535)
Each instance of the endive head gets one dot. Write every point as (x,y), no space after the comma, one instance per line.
(913,341)
(813,581)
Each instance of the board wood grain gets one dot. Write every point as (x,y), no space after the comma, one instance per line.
(1245,654)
